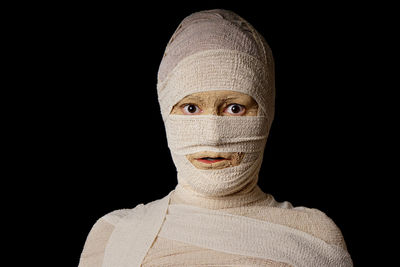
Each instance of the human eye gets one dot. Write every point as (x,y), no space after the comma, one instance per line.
(191,109)
(235,110)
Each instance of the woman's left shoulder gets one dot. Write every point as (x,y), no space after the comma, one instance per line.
(322,226)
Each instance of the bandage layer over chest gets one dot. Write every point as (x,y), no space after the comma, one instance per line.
(249,237)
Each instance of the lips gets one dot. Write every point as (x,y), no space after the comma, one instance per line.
(210,160)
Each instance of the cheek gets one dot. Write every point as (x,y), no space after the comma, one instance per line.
(252,110)
(176,110)
(237,158)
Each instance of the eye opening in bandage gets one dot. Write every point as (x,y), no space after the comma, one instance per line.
(217,102)
(218,69)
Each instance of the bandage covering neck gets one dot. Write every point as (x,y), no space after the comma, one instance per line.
(217,50)
(216,217)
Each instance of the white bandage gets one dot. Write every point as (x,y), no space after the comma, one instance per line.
(242,65)
(218,69)
(239,225)
(191,134)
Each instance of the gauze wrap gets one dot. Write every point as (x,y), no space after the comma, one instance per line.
(192,226)
(217,51)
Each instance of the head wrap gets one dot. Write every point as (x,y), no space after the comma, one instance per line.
(217,50)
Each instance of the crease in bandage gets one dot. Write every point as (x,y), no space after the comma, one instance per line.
(218,69)
(191,134)
(187,134)
(245,236)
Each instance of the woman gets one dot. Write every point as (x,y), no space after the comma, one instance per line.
(217,93)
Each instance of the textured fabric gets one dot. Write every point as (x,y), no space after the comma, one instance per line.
(95,245)
(216,50)
(215,35)
(238,60)
(245,198)
(97,240)
(263,207)
(209,30)
(135,232)
(249,237)
(218,70)
(189,134)
(166,252)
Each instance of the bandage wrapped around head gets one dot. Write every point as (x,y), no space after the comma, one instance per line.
(217,50)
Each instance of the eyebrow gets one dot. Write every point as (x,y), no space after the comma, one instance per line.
(232,98)
(237,99)
(191,98)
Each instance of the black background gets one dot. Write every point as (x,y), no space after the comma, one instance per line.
(97,124)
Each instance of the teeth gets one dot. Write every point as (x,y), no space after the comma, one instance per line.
(207,158)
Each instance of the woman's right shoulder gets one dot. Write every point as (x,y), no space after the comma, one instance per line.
(97,239)
(114,217)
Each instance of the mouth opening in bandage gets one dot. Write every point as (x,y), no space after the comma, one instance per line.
(215,160)
(220,103)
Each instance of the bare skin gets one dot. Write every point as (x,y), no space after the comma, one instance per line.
(219,103)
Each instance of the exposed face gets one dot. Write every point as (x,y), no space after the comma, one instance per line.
(219,103)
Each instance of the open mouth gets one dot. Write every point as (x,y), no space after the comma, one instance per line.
(209,160)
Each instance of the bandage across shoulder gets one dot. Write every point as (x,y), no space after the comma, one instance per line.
(216,50)
(219,231)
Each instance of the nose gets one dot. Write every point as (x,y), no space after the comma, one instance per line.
(212,110)
(214,133)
